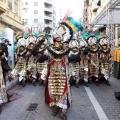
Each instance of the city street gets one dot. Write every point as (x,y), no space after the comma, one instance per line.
(104,107)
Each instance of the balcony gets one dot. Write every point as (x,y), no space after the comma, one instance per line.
(48,17)
(13,15)
(3,6)
(49,9)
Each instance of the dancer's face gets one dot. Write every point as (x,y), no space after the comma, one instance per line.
(31,46)
(93,46)
(21,48)
(57,44)
(75,49)
(42,46)
(83,48)
(104,46)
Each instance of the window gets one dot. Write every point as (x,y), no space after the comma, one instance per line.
(35,11)
(35,20)
(35,3)
(26,3)
(26,20)
(10,4)
(16,6)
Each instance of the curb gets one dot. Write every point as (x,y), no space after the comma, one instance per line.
(12,84)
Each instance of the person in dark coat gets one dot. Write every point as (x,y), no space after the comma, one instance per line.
(4,60)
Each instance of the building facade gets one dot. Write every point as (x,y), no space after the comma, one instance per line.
(103,15)
(38,14)
(85,14)
(10,15)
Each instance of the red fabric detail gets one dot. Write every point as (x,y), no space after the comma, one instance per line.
(63,34)
(28,73)
(52,62)
(47,96)
(84,57)
(38,75)
(62,62)
(55,38)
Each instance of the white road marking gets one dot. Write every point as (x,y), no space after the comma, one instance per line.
(96,105)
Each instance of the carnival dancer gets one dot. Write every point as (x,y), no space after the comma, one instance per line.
(42,57)
(20,68)
(57,89)
(105,56)
(84,61)
(31,58)
(3,94)
(93,57)
(74,62)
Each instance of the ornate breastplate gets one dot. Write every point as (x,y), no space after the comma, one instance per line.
(57,78)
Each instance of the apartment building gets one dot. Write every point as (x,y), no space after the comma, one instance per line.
(85,14)
(38,14)
(10,15)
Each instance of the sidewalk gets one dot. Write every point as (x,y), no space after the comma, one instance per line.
(11,84)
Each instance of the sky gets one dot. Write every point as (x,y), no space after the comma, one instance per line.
(76,6)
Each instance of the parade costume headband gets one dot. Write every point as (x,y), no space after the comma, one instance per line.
(42,37)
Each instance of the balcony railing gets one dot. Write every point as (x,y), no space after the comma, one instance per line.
(13,16)
(48,17)
(49,9)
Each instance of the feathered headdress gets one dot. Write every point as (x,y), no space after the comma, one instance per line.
(20,35)
(68,27)
(86,35)
(30,36)
(42,38)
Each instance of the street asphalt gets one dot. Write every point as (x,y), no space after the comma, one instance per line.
(82,107)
